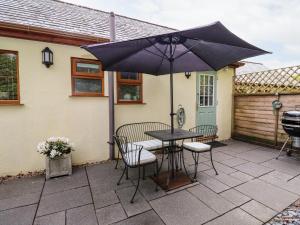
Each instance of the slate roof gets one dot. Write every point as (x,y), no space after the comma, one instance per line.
(67,17)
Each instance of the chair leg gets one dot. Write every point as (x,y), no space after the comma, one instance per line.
(127,177)
(137,186)
(182,156)
(196,158)
(125,169)
(144,173)
(116,167)
(212,163)
(156,175)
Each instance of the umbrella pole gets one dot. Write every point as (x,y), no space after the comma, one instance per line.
(171,96)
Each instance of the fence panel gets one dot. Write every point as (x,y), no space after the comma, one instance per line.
(254,117)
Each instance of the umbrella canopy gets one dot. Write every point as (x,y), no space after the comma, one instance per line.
(210,47)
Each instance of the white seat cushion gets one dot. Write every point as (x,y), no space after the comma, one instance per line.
(196,146)
(151,144)
(133,157)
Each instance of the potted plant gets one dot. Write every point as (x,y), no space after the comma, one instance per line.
(58,156)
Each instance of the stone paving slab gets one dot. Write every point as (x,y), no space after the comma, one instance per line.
(18,216)
(221,168)
(52,219)
(235,217)
(219,156)
(146,218)
(78,179)
(212,183)
(28,185)
(182,208)
(102,199)
(211,199)
(148,189)
(257,156)
(253,169)
(241,176)
(271,196)
(283,181)
(225,178)
(22,200)
(64,200)
(259,211)
(84,215)
(140,204)
(234,162)
(286,165)
(111,214)
(236,197)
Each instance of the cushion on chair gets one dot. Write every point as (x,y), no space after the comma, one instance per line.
(196,146)
(151,144)
(133,157)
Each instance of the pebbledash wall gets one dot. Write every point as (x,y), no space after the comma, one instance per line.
(48,109)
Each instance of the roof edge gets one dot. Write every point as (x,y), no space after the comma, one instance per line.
(47,35)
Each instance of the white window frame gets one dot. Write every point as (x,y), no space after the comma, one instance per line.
(199,89)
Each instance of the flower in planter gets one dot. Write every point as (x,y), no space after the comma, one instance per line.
(55,147)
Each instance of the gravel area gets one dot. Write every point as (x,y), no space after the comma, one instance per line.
(290,216)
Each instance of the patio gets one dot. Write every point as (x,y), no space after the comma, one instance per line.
(251,188)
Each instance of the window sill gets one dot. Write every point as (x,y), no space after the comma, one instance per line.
(11,104)
(98,96)
(130,103)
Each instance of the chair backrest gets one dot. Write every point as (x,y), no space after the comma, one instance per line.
(130,152)
(135,132)
(209,132)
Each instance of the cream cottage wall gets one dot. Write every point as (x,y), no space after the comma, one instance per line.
(48,109)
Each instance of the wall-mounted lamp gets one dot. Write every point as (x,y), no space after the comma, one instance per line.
(47,57)
(187,74)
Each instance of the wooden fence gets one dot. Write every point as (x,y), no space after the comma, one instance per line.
(254,117)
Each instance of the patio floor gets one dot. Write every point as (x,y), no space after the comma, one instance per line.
(251,188)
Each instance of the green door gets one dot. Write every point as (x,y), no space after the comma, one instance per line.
(206,98)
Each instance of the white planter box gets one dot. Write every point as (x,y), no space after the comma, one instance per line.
(59,167)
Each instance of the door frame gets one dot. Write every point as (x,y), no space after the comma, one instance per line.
(215,100)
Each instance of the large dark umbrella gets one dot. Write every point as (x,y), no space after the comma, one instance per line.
(210,47)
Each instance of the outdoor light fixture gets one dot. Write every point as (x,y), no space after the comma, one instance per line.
(187,74)
(47,55)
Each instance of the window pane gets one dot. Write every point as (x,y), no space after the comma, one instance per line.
(211,80)
(88,85)
(201,80)
(211,90)
(210,100)
(201,100)
(8,76)
(129,76)
(205,101)
(129,92)
(87,68)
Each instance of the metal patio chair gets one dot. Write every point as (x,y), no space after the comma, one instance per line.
(135,134)
(134,156)
(201,145)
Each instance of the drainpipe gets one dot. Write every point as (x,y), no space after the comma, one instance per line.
(111,93)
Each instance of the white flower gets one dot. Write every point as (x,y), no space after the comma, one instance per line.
(64,139)
(41,147)
(53,153)
(52,139)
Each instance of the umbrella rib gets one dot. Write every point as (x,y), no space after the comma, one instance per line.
(162,59)
(186,51)
(153,44)
(161,56)
(200,57)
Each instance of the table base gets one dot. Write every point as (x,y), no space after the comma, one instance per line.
(180,180)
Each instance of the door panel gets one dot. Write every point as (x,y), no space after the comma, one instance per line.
(206,98)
